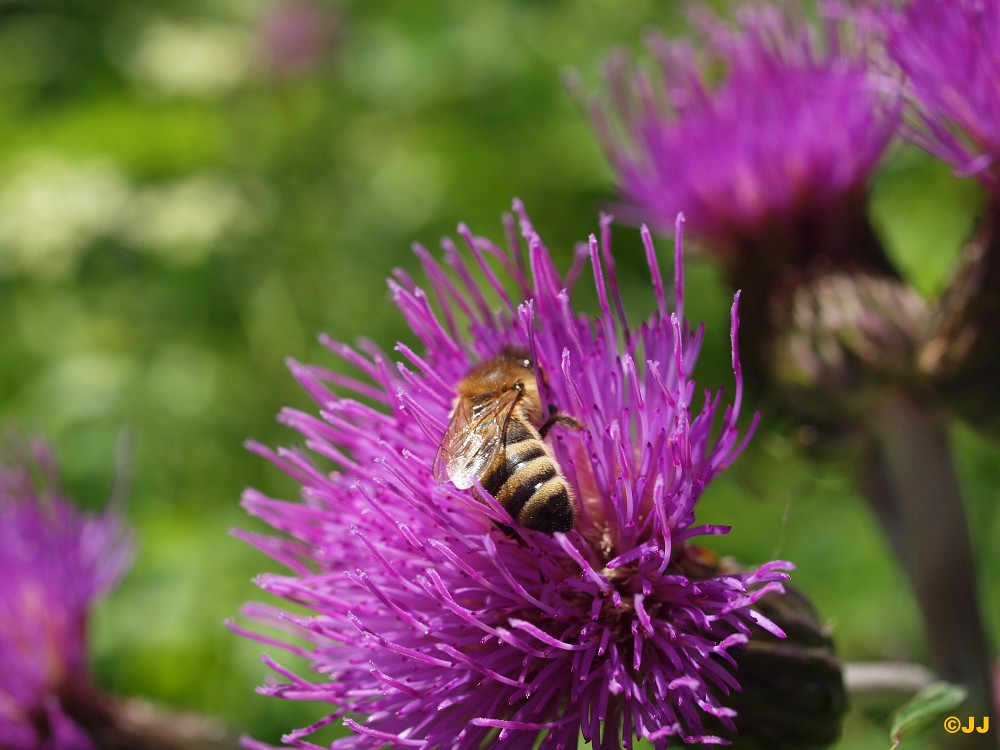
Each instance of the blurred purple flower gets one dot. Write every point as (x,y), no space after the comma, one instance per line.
(54,562)
(294,37)
(949,52)
(764,134)
(430,626)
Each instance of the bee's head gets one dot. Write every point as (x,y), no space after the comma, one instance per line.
(517,356)
(511,369)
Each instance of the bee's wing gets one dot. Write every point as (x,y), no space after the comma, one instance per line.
(474,439)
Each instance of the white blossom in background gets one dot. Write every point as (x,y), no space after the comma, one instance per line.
(183,221)
(190,59)
(52,208)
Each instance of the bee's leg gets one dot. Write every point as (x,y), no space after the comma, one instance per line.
(556,418)
(510,532)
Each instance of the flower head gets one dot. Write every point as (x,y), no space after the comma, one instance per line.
(54,562)
(295,36)
(433,627)
(948,53)
(763,137)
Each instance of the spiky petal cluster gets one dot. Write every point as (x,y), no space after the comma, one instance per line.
(54,562)
(431,627)
(949,53)
(773,124)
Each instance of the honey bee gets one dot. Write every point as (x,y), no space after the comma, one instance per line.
(492,437)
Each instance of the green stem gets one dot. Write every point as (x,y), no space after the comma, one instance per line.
(896,681)
(915,493)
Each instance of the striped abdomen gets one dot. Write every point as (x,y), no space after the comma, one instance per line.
(526,480)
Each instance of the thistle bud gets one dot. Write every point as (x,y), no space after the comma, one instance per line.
(960,355)
(846,339)
(793,690)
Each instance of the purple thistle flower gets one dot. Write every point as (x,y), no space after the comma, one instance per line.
(54,562)
(948,51)
(428,625)
(295,36)
(764,135)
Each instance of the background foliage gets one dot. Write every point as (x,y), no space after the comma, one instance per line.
(191,191)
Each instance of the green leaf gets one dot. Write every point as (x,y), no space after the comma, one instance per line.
(931,702)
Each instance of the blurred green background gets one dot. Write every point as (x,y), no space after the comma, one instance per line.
(191,191)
